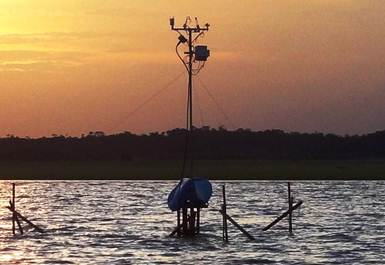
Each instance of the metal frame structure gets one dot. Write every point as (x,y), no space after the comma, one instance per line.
(189,34)
(196,55)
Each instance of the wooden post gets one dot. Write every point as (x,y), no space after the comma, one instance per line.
(19,225)
(190,222)
(191,225)
(184,221)
(237,225)
(198,220)
(178,223)
(290,201)
(13,209)
(178,229)
(298,204)
(18,215)
(224,220)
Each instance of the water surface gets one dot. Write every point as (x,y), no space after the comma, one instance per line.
(128,222)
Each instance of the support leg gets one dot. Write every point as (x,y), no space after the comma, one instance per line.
(13,209)
(224,210)
(198,220)
(184,221)
(192,222)
(178,222)
(19,225)
(290,201)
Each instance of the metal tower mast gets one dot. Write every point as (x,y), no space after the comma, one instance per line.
(196,56)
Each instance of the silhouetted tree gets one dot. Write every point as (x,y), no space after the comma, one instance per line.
(206,143)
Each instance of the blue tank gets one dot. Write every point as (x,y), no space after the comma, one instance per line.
(190,192)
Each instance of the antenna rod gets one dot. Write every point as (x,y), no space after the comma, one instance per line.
(190,51)
(193,56)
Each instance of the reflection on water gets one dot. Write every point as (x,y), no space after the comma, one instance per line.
(124,222)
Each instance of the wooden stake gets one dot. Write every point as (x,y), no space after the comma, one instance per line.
(184,221)
(282,216)
(178,228)
(224,220)
(290,201)
(17,214)
(178,223)
(19,225)
(237,225)
(13,209)
(191,223)
(198,220)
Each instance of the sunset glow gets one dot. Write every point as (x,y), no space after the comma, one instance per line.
(70,67)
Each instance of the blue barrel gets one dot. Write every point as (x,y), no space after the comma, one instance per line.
(190,192)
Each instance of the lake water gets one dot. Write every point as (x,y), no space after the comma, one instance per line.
(128,222)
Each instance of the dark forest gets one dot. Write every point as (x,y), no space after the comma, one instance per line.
(207,143)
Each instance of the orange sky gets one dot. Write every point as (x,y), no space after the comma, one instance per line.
(70,67)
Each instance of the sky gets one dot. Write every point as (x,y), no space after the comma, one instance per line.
(75,66)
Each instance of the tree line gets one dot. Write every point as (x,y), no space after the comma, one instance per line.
(206,143)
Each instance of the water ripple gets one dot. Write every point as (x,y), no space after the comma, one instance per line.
(127,222)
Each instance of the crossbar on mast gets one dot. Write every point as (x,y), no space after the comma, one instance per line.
(190,31)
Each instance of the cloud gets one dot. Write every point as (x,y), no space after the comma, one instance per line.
(6,55)
(30,60)
(42,66)
(56,37)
